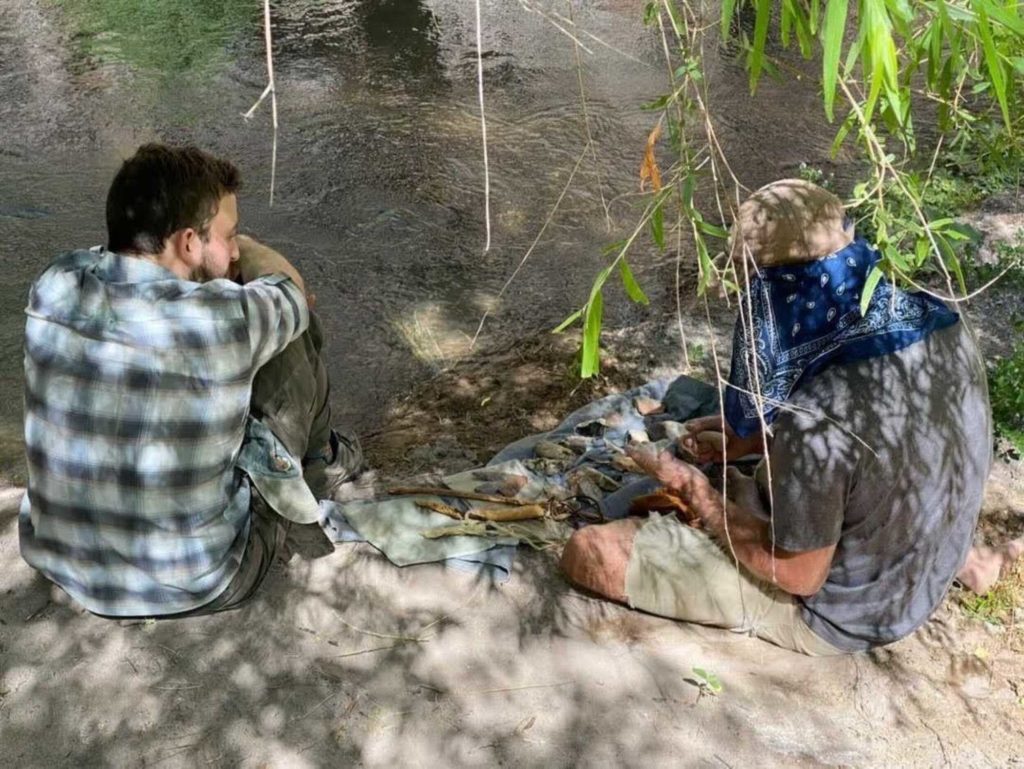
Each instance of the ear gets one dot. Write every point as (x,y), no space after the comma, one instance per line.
(187,246)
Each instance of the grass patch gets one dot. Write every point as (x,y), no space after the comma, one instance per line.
(999,606)
(1006,393)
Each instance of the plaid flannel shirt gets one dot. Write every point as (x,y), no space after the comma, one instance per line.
(138,437)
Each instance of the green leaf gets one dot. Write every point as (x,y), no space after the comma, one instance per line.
(995,67)
(764,15)
(650,13)
(841,134)
(804,35)
(657,223)
(686,193)
(710,680)
(1007,17)
(657,104)
(835,26)
(713,230)
(869,288)
(704,262)
(567,322)
(728,8)
(613,248)
(633,289)
(591,358)
(786,24)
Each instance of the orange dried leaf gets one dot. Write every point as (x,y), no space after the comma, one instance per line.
(649,167)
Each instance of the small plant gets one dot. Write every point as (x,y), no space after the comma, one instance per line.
(1001,606)
(707,684)
(697,353)
(815,175)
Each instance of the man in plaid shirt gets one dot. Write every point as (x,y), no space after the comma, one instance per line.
(176,405)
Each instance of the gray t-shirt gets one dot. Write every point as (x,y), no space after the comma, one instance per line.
(887,459)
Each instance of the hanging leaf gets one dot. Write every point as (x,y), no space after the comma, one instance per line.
(764,14)
(728,8)
(591,361)
(657,223)
(992,62)
(704,265)
(869,288)
(649,167)
(835,27)
(633,289)
(567,322)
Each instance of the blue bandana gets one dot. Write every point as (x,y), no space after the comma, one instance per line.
(806,317)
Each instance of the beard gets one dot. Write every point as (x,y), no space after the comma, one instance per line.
(205,271)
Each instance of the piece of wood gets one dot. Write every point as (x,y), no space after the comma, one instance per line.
(524,513)
(440,507)
(663,500)
(520,513)
(441,491)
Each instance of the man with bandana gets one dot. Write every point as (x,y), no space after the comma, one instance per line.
(875,432)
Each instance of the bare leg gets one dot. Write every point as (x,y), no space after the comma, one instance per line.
(985,565)
(596,558)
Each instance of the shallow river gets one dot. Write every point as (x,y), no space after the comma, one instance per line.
(379,195)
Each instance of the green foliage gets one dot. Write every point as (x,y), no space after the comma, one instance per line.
(165,37)
(1006,393)
(997,606)
(957,63)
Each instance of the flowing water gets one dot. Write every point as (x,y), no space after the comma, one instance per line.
(379,195)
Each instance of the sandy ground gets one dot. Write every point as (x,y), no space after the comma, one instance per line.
(345,660)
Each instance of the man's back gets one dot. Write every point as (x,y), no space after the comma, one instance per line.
(136,401)
(888,457)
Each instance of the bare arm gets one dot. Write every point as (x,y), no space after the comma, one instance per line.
(798,573)
(256,260)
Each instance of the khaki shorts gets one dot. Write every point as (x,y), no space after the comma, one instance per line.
(679,572)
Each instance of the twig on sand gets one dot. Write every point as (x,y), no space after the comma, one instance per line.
(38,611)
(451,692)
(389,636)
(378,648)
(942,745)
(520,688)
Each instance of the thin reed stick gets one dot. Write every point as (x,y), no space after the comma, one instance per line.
(483,127)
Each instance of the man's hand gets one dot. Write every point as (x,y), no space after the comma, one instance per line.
(798,573)
(256,260)
(689,483)
(706,442)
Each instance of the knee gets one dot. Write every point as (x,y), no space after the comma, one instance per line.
(596,558)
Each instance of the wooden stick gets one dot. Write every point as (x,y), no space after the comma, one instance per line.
(524,513)
(520,513)
(439,507)
(441,491)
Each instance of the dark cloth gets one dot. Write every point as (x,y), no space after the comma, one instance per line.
(291,395)
(886,458)
(267,534)
(803,318)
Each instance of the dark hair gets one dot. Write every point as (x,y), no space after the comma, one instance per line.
(163,189)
